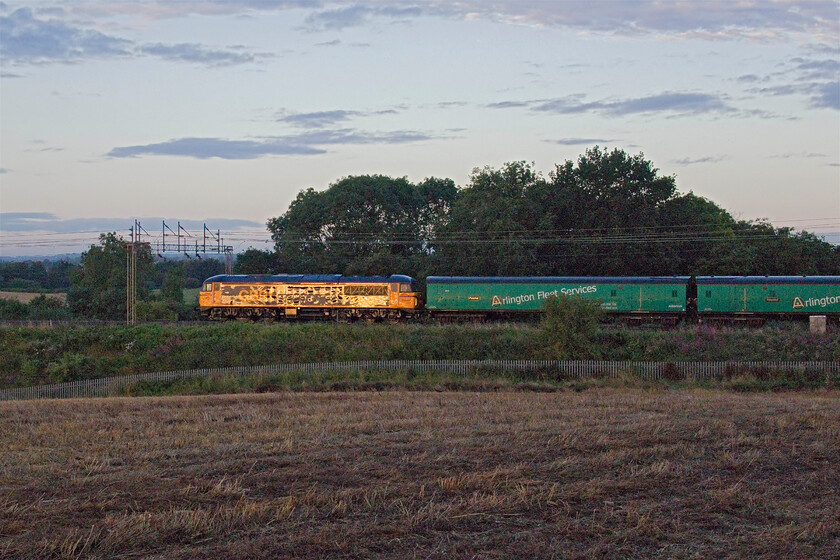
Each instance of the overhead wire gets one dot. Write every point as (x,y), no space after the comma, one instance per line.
(603,236)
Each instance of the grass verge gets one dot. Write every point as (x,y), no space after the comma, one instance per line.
(43,356)
(478,380)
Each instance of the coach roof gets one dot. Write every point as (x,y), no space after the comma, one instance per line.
(557,279)
(768,280)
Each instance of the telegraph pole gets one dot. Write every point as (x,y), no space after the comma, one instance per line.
(131,276)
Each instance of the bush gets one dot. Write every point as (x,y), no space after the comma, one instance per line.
(570,326)
(71,367)
(12,310)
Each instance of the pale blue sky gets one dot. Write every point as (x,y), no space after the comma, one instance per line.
(210,110)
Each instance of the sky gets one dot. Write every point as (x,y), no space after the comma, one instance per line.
(220,112)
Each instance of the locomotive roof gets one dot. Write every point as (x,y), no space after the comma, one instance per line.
(557,279)
(308,279)
(768,279)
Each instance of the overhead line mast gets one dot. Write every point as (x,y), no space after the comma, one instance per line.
(163,248)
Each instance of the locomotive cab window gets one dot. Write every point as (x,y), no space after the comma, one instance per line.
(405,288)
(208,287)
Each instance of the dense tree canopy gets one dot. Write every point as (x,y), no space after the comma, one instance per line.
(368,224)
(35,276)
(607,213)
(99,285)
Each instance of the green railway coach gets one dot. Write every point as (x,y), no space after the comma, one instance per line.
(768,296)
(646,297)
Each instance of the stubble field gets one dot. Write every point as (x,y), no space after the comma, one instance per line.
(606,473)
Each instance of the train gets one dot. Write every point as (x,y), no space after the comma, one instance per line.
(634,299)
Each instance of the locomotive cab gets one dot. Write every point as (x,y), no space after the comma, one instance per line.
(406,293)
(205,296)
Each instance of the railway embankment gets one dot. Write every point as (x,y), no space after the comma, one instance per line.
(43,356)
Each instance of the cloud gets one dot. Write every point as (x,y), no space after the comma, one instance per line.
(192,52)
(508,104)
(24,38)
(826,96)
(206,148)
(694,161)
(450,104)
(350,136)
(361,13)
(821,95)
(816,79)
(580,141)
(808,21)
(43,221)
(319,119)
(3,170)
(817,69)
(351,16)
(790,155)
(27,39)
(324,119)
(309,143)
(681,103)
(669,102)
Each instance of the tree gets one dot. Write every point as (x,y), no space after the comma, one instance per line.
(606,208)
(594,216)
(369,224)
(254,261)
(98,288)
(569,326)
(172,291)
(492,223)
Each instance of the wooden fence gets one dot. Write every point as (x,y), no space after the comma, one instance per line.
(550,369)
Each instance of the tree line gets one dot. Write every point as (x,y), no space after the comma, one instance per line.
(608,213)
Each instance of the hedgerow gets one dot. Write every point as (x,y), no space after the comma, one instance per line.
(34,356)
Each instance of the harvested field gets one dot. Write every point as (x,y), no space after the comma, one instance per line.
(604,473)
(26,297)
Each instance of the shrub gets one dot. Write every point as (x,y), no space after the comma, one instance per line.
(570,326)
(672,372)
(11,310)
(70,367)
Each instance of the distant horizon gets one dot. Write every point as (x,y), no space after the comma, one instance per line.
(26,244)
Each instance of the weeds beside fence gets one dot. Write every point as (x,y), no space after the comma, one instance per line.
(815,372)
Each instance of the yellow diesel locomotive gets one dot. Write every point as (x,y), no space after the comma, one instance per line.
(309,296)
